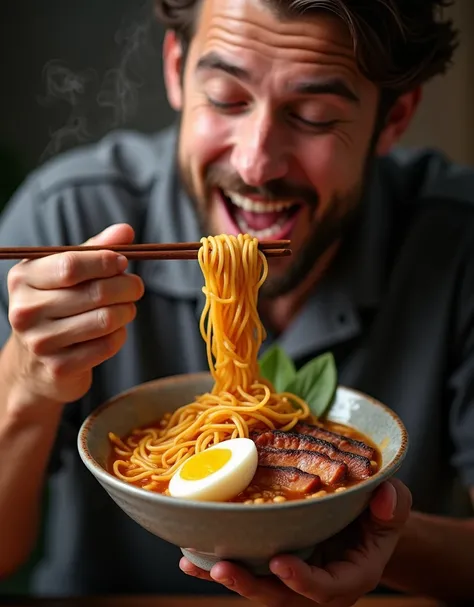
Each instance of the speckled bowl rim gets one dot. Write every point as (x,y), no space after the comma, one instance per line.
(108,478)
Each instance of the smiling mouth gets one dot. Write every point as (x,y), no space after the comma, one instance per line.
(261,219)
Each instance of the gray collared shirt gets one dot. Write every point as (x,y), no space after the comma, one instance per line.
(397,310)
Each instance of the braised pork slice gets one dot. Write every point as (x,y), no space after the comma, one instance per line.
(329,471)
(342,442)
(358,466)
(280,478)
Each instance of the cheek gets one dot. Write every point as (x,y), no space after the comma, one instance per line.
(332,165)
(205,134)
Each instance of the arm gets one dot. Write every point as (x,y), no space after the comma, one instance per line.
(27,431)
(429,547)
(67,315)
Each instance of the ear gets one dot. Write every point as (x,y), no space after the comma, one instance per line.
(398,120)
(172,63)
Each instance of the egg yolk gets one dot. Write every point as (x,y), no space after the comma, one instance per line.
(204,464)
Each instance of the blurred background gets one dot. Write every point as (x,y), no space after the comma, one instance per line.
(71,71)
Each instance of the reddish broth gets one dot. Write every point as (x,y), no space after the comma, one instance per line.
(260,493)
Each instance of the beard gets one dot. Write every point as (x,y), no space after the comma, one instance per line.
(327,230)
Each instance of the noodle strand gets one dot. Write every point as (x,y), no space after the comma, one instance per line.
(240,401)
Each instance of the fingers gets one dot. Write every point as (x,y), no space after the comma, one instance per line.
(61,303)
(119,233)
(391,504)
(83,357)
(66,269)
(127,288)
(190,569)
(362,567)
(341,581)
(68,313)
(72,268)
(53,336)
(264,590)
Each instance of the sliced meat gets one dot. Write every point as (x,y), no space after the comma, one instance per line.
(358,466)
(329,471)
(280,478)
(342,442)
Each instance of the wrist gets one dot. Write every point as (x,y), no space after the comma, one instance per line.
(25,405)
(20,402)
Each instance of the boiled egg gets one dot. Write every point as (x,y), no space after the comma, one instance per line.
(218,473)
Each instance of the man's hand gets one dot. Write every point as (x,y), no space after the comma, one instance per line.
(342,569)
(68,314)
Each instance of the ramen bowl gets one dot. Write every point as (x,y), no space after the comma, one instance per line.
(251,535)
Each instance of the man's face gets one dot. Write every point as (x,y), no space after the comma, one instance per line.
(276,129)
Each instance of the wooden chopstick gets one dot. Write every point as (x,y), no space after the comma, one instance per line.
(162,251)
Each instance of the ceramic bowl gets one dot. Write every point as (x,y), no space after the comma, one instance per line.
(248,534)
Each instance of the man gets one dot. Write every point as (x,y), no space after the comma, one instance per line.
(288,115)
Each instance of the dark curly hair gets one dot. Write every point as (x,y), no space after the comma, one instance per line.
(399,44)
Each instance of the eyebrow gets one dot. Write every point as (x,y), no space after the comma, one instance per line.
(213,61)
(327,86)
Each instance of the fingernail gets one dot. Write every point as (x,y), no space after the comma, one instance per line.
(393,497)
(282,572)
(122,262)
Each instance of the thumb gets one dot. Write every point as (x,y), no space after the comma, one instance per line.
(391,504)
(119,233)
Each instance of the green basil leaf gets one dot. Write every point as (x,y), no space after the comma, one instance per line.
(277,367)
(316,383)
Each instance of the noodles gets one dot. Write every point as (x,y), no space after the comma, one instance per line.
(234,269)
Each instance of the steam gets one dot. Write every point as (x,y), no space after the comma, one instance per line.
(119,91)
(80,93)
(63,85)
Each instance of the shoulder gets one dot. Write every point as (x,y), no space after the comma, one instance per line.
(430,196)
(417,176)
(78,193)
(124,159)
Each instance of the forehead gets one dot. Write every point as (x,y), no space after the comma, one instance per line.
(250,32)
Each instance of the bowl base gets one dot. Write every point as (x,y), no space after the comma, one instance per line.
(258,567)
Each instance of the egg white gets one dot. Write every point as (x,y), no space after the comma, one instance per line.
(227,482)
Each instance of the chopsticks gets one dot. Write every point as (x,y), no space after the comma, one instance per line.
(164,251)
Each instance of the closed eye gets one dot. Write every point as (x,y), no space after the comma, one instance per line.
(220,105)
(328,124)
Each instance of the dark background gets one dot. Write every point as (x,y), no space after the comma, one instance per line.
(71,70)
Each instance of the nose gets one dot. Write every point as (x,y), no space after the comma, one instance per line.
(259,153)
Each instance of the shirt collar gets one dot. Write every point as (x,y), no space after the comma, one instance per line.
(331,314)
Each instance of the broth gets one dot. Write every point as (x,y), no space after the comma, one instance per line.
(343,456)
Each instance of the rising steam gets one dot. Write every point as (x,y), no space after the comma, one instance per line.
(63,85)
(81,93)
(119,91)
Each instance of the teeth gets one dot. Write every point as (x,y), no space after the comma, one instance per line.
(260,234)
(257,207)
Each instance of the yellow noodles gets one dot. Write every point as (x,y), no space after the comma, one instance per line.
(234,270)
